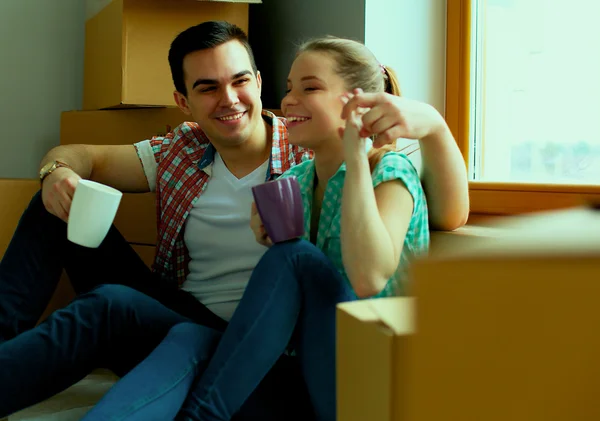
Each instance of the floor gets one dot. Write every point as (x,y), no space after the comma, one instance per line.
(72,404)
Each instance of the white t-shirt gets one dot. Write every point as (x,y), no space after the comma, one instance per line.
(222,246)
(217,234)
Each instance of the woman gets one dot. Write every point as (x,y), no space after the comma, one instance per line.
(365,219)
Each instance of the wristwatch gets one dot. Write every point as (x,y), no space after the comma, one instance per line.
(50,167)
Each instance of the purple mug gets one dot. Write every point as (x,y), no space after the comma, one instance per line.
(279,204)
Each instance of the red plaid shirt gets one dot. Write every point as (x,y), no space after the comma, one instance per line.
(184,159)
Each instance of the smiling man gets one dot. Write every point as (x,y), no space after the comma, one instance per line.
(202,174)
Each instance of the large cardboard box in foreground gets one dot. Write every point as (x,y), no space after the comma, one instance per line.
(509,328)
(504,327)
(136,217)
(372,338)
(127,44)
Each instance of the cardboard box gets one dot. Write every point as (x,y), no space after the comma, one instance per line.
(372,336)
(136,217)
(508,328)
(16,195)
(118,127)
(127,44)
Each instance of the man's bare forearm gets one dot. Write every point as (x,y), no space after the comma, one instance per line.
(445,181)
(78,157)
(118,166)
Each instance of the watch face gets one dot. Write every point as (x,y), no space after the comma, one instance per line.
(46,168)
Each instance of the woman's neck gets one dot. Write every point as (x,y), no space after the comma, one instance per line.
(327,162)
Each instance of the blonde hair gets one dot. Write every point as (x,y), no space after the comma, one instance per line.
(359,68)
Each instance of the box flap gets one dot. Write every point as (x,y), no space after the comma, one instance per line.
(394,314)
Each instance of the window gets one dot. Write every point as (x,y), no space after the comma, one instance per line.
(523,100)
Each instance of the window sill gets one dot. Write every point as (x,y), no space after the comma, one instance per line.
(515,198)
(479,226)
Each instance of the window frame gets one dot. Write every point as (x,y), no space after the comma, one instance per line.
(487,197)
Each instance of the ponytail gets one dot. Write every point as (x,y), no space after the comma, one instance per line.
(391,86)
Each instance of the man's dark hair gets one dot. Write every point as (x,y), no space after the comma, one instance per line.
(206,35)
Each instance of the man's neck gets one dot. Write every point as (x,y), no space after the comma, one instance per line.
(242,159)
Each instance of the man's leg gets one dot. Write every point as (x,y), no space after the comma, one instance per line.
(111,326)
(36,256)
(294,288)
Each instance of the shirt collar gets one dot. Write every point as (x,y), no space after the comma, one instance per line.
(279,134)
(307,178)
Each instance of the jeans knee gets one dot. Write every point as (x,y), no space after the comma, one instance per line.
(292,247)
(194,339)
(300,254)
(115,297)
(186,330)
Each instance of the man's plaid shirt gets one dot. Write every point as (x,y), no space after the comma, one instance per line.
(184,158)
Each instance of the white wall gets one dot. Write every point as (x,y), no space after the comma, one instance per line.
(410,36)
(41,75)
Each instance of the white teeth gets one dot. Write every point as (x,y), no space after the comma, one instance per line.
(298,118)
(231,117)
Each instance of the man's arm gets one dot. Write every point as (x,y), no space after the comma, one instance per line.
(117,166)
(445,181)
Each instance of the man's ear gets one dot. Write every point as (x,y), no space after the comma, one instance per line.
(259,81)
(182,102)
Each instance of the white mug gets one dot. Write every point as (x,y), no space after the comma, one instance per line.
(92,212)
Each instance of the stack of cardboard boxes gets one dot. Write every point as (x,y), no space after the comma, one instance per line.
(128,89)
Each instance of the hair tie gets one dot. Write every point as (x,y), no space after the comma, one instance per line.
(384,70)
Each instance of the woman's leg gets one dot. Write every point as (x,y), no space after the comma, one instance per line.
(293,285)
(157,387)
(281,395)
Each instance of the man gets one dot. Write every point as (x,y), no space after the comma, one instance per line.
(202,174)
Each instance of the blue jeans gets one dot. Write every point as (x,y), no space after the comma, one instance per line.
(122,312)
(290,300)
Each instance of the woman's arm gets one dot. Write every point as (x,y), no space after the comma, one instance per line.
(374,221)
